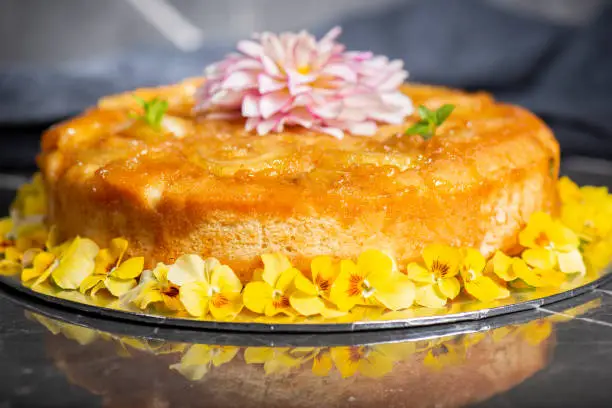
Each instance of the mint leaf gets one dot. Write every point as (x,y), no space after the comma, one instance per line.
(430,120)
(154,111)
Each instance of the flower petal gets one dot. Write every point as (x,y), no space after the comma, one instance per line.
(274,265)
(442,259)
(225,280)
(304,285)
(485,289)
(430,296)
(449,287)
(306,304)
(571,262)
(257,295)
(195,296)
(419,274)
(130,269)
(539,258)
(226,304)
(118,287)
(396,293)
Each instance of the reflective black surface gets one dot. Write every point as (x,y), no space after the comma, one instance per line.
(556,356)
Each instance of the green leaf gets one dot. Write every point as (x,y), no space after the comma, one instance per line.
(443,113)
(420,128)
(154,111)
(425,113)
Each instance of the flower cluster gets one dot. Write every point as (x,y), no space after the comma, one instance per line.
(293,79)
(557,254)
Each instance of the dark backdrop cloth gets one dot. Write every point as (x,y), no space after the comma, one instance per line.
(563,74)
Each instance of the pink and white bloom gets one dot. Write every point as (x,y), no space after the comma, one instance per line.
(293,79)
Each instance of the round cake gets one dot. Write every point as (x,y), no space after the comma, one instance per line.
(208,186)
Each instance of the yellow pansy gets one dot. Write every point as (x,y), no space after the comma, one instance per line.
(271,296)
(155,289)
(597,255)
(74,264)
(311,297)
(11,264)
(31,198)
(476,284)
(538,276)
(589,221)
(370,360)
(437,280)
(42,266)
(206,285)
(374,280)
(275,359)
(30,236)
(111,272)
(547,238)
(6,228)
(444,355)
(200,358)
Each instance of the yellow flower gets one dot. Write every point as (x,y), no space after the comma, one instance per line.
(74,264)
(590,221)
(538,277)
(546,238)
(271,296)
(206,285)
(443,355)
(42,265)
(501,266)
(374,280)
(31,198)
(30,236)
(371,360)
(311,297)
(11,264)
(597,255)
(111,272)
(200,358)
(476,284)
(6,228)
(155,288)
(437,280)
(275,359)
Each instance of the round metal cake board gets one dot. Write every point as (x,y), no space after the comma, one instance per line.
(584,171)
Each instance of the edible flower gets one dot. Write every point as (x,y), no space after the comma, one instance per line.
(371,360)
(11,264)
(373,280)
(111,272)
(430,121)
(538,277)
(270,296)
(550,244)
(206,285)
(438,279)
(294,80)
(200,358)
(475,282)
(311,297)
(155,289)
(586,210)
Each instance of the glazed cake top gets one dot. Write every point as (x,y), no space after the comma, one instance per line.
(219,161)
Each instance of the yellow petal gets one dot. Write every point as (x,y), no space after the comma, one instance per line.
(9,268)
(187,268)
(419,274)
(449,287)
(485,289)
(224,354)
(96,288)
(284,282)
(563,238)
(430,296)
(72,270)
(256,296)
(322,364)
(195,297)
(376,365)
(118,287)
(118,246)
(472,264)
(324,267)
(258,355)
(374,261)
(539,225)
(442,260)
(395,293)
(225,305)
(6,226)
(104,261)
(90,281)
(539,258)
(571,262)
(304,285)
(342,293)
(130,269)
(568,190)
(502,266)
(306,304)
(12,254)
(148,294)
(346,359)
(274,265)
(225,280)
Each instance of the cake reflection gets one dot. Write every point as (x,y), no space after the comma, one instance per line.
(450,371)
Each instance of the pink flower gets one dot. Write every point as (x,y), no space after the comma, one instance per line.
(293,79)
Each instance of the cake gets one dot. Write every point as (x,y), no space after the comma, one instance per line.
(210,187)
